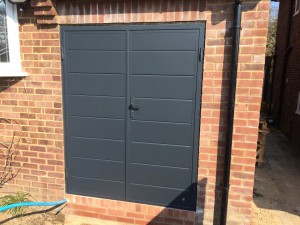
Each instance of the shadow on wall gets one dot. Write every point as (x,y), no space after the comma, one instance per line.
(176,216)
(6,85)
(166,217)
(219,13)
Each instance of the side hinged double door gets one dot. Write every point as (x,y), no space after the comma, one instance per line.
(131,111)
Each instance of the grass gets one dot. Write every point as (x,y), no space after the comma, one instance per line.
(15,198)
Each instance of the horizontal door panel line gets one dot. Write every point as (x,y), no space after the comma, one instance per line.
(152,121)
(94,74)
(162,75)
(163,166)
(97,118)
(137,28)
(100,139)
(94,50)
(105,29)
(96,96)
(142,32)
(146,98)
(92,117)
(104,96)
(88,178)
(132,50)
(104,160)
(162,187)
(97,195)
(171,99)
(187,28)
(152,143)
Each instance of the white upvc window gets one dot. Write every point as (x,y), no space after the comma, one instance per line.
(10,63)
(297,7)
(298,105)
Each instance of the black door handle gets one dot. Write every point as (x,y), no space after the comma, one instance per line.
(134,107)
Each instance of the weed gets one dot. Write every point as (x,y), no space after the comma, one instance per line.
(15,198)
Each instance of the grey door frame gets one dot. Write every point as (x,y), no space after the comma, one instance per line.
(200,26)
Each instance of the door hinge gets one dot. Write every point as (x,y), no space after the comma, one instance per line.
(195,188)
(200,54)
(62,53)
(66,173)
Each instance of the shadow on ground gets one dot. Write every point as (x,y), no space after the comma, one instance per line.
(277,183)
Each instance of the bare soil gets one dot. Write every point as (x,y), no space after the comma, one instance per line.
(33,216)
(277,184)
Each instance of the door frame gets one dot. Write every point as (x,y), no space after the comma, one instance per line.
(201,27)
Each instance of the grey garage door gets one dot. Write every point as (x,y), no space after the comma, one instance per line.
(131,110)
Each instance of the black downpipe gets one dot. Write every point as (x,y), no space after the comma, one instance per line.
(231,103)
(285,62)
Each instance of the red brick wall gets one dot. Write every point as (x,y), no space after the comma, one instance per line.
(36,103)
(290,121)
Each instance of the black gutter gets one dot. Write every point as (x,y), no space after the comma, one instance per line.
(231,103)
(285,62)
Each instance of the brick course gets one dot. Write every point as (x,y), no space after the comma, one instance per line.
(36,103)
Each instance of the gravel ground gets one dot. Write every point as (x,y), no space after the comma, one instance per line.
(277,184)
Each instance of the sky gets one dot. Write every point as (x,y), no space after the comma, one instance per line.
(274,9)
(275,4)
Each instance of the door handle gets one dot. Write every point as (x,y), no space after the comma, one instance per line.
(134,107)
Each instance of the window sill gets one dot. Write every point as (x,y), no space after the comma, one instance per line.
(12,73)
(298,112)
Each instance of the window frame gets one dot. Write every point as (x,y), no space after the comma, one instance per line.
(297,7)
(13,67)
(298,104)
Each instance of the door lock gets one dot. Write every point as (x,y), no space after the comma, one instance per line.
(134,107)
